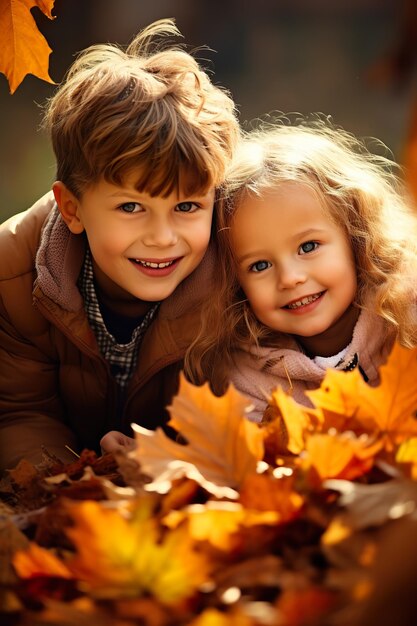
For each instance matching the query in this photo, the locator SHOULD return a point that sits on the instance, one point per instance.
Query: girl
(319, 265)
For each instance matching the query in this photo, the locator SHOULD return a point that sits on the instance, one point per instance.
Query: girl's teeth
(303, 302)
(154, 265)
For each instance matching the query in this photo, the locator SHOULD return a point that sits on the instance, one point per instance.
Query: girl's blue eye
(259, 266)
(186, 207)
(308, 246)
(129, 207)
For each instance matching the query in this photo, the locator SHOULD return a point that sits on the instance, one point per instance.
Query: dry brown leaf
(24, 50)
(258, 571)
(11, 540)
(373, 505)
(304, 607)
(80, 612)
(223, 446)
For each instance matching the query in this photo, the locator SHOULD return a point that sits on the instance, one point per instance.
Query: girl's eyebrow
(249, 255)
(309, 232)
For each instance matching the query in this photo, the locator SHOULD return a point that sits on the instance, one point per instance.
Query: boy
(101, 283)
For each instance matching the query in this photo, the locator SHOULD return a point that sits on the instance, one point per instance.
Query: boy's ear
(68, 206)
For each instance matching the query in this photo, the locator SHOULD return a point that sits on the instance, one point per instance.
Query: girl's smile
(305, 304)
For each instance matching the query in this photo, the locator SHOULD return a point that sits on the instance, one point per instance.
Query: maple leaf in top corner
(24, 49)
(223, 446)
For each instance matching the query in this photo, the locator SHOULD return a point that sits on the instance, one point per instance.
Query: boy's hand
(114, 440)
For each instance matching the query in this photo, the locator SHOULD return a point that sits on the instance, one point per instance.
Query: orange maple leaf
(37, 561)
(387, 411)
(24, 49)
(263, 492)
(339, 456)
(223, 446)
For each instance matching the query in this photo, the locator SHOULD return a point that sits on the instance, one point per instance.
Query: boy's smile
(156, 267)
(296, 267)
(142, 247)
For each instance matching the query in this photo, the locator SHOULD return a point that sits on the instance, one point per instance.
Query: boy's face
(143, 247)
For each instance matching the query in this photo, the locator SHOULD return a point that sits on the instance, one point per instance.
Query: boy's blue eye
(259, 266)
(129, 207)
(186, 207)
(308, 246)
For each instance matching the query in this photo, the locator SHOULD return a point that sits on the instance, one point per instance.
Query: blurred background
(350, 59)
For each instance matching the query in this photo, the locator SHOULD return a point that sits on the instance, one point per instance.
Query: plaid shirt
(122, 357)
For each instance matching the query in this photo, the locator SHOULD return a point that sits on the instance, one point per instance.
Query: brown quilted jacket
(55, 387)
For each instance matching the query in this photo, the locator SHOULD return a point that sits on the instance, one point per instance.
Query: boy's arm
(31, 414)
(22, 436)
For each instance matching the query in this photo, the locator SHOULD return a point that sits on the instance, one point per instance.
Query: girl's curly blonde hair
(361, 191)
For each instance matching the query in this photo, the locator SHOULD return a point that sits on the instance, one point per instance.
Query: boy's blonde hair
(148, 109)
(361, 193)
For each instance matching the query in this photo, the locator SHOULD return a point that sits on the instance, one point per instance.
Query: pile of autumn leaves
(238, 524)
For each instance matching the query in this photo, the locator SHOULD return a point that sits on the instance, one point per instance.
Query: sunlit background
(273, 55)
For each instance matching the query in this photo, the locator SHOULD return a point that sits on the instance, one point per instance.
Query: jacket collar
(369, 341)
(58, 262)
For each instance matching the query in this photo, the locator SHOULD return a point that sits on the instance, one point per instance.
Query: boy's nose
(160, 234)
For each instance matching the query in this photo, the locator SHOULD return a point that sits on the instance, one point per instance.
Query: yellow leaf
(213, 617)
(407, 453)
(336, 532)
(348, 403)
(298, 419)
(223, 446)
(23, 50)
(129, 555)
(218, 522)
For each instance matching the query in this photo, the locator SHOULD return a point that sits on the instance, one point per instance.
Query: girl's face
(296, 268)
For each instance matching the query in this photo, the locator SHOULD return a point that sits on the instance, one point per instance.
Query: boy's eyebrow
(122, 191)
(199, 195)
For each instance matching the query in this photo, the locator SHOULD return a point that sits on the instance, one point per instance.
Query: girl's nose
(290, 275)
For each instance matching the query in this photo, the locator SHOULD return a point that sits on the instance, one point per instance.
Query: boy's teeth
(154, 265)
(304, 301)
